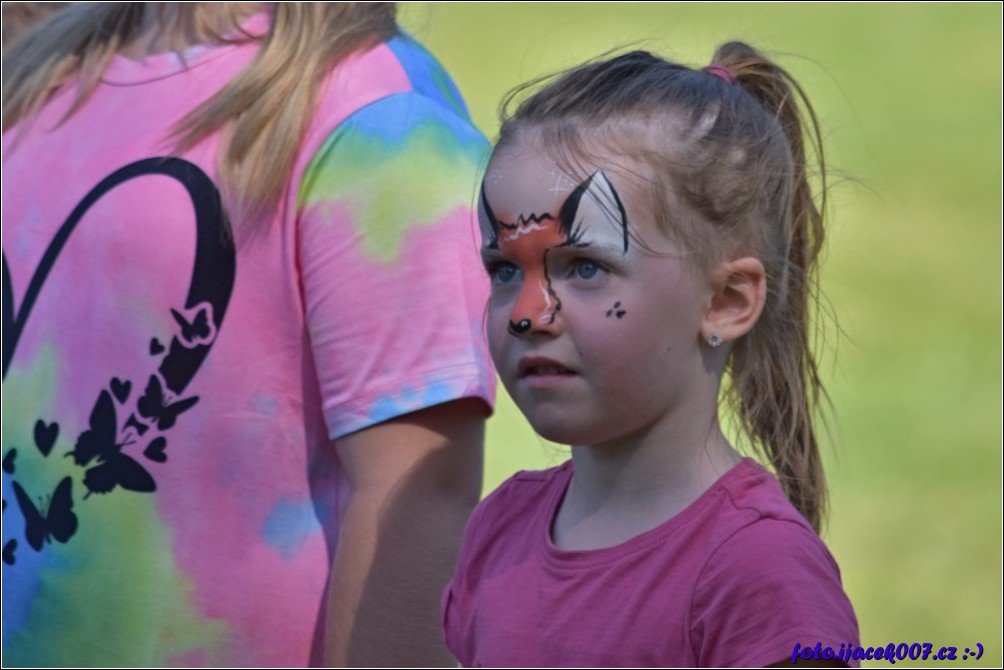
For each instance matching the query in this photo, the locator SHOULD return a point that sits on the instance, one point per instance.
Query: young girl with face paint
(650, 231)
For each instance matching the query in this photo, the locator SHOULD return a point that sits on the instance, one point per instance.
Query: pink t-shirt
(736, 579)
(172, 394)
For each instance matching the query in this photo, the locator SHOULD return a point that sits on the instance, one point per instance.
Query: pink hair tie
(721, 72)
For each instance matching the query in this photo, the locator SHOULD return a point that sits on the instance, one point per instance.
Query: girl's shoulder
(755, 518)
(526, 500)
(750, 487)
(762, 556)
(528, 488)
(392, 116)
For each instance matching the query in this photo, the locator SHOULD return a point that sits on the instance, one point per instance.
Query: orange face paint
(527, 242)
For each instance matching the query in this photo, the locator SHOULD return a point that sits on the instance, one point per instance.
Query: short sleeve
(388, 247)
(770, 586)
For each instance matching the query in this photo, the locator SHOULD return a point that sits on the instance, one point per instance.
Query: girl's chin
(562, 431)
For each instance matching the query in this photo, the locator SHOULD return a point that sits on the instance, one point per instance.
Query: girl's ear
(739, 290)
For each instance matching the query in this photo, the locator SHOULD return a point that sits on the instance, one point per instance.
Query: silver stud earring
(714, 341)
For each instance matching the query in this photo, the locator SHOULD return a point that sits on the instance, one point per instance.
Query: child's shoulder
(764, 557)
(526, 497)
(529, 486)
(756, 519)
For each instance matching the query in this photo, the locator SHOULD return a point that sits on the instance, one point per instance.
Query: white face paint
(591, 216)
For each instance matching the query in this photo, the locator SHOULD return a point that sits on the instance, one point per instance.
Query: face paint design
(591, 215)
(595, 332)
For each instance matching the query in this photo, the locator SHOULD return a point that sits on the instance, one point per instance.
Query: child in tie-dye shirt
(244, 386)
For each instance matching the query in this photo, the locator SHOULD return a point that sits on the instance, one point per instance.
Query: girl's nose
(535, 309)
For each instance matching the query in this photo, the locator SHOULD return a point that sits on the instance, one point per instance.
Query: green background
(909, 96)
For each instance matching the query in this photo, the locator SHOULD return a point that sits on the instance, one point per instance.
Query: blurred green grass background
(909, 96)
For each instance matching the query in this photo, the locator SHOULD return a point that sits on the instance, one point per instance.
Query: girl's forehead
(524, 178)
(528, 194)
(614, 200)
(525, 174)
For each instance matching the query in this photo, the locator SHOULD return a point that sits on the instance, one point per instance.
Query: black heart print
(99, 448)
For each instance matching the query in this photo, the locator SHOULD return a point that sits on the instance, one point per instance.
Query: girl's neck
(624, 488)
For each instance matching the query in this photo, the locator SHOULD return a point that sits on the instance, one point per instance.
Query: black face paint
(527, 240)
(519, 328)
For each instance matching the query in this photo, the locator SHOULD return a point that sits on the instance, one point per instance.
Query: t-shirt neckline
(125, 71)
(575, 558)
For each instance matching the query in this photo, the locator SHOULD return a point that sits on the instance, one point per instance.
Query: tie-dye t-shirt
(172, 392)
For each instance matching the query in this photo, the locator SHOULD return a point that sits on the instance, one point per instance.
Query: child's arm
(415, 480)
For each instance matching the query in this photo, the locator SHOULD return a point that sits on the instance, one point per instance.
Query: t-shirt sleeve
(393, 287)
(455, 602)
(768, 587)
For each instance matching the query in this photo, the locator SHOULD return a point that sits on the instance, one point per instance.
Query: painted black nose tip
(520, 327)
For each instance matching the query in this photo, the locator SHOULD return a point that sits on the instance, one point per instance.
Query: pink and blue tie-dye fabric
(171, 391)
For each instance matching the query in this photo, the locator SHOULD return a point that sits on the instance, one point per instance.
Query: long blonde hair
(263, 112)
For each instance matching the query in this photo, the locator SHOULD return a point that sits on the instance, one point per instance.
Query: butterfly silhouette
(101, 442)
(154, 406)
(8, 552)
(200, 330)
(57, 522)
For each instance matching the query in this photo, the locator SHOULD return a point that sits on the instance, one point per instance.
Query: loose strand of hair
(263, 113)
(265, 130)
(76, 40)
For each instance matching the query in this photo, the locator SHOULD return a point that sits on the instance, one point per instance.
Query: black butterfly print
(8, 461)
(8, 552)
(100, 439)
(200, 330)
(154, 406)
(57, 522)
(45, 436)
(101, 442)
(99, 449)
(119, 470)
(121, 389)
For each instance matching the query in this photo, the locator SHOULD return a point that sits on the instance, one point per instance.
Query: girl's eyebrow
(606, 253)
(600, 247)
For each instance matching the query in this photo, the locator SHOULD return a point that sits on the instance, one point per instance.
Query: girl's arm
(415, 480)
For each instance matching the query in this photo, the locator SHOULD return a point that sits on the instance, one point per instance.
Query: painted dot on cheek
(615, 308)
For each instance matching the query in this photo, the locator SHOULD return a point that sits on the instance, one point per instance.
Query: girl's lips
(538, 367)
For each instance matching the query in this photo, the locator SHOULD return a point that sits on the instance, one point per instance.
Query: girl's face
(594, 320)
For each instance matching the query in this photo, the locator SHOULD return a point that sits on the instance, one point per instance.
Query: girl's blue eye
(503, 273)
(586, 269)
